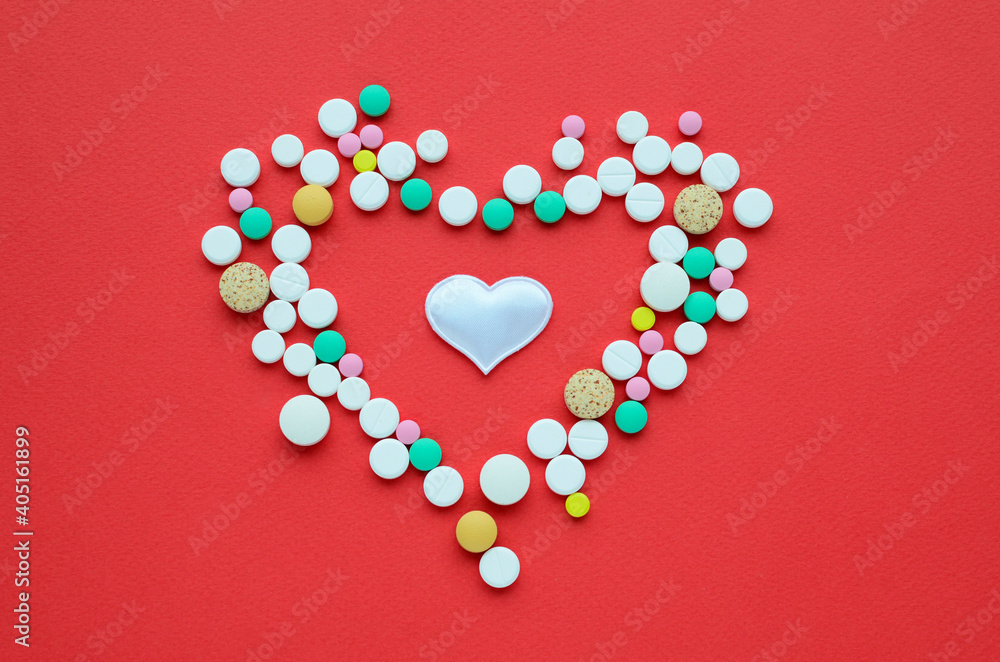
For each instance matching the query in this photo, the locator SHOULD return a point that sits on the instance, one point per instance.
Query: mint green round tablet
(549, 206)
(329, 346)
(255, 223)
(374, 100)
(498, 214)
(415, 194)
(699, 262)
(699, 307)
(630, 417)
(425, 454)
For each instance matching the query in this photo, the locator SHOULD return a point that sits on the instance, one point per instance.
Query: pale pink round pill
(720, 279)
(349, 144)
(240, 200)
(350, 365)
(573, 126)
(407, 432)
(371, 136)
(689, 123)
(650, 342)
(637, 388)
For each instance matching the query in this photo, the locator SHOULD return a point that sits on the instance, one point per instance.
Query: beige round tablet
(244, 287)
(589, 394)
(698, 209)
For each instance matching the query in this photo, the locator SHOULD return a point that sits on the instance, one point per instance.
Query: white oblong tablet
(287, 150)
(664, 287)
(324, 379)
(651, 155)
(389, 458)
(353, 393)
(567, 153)
(668, 243)
(289, 281)
(731, 253)
(565, 474)
(546, 438)
(240, 167)
(379, 418)
(458, 206)
(622, 360)
(369, 191)
(443, 486)
(644, 202)
(304, 420)
(299, 359)
(616, 176)
(318, 308)
(731, 305)
(588, 439)
(582, 194)
(752, 208)
(632, 127)
(690, 338)
(396, 161)
(522, 184)
(504, 479)
(432, 146)
(221, 245)
(320, 167)
(499, 567)
(337, 117)
(666, 369)
(268, 346)
(279, 316)
(720, 171)
(291, 243)
(686, 159)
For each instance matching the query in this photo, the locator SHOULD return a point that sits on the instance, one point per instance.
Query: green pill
(425, 454)
(498, 214)
(255, 223)
(329, 346)
(549, 207)
(630, 417)
(699, 262)
(415, 194)
(374, 100)
(699, 307)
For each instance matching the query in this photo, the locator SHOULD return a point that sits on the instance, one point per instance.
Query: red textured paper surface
(828, 108)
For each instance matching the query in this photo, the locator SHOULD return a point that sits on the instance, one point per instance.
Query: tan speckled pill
(244, 287)
(589, 394)
(698, 209)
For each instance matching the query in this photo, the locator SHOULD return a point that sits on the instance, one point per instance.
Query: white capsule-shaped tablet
(389, 459)
(458, 206)
(499, 567)
(664, 287)
(337, 117)
(369, 191)
(567, 153)
(588, 439)
(318, 308)
(690, 338)
(565, 474)
(443, 486)
(731, 305)
(323, 380)
(279, 316)
(299, 359)
(546, 438)
(651, 155)
(666, 369)
(304, 420)
(221, 245)
(396, 161)
(720, 171)
(644, 202)
(379, 418)
(752, 208)
(522, 184)
(289, 281)
(240, 167)
(353, 393)
(582, 194)
(686, 158)
(616, 176)
(731, 253)
(622, 360)
(319, 167)
(268, 346)
(632, 127)
(504, 479)
(291, 243)
(668, 243)
(432, 146)
(287, 150)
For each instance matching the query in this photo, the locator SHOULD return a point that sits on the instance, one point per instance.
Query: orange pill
(312, 205)
(476, 531)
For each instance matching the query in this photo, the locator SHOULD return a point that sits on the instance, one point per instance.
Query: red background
(833, 297)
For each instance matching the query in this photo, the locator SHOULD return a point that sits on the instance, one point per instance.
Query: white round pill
(443, 486)
(369, 191)
(319, 167)
(546, 438)
(353, 393)
(731, 253)
(299, 359)
(668, 243)
(690, 338)
(432, 146)
(752, 208)
(588, 439)
(522, 184)
(304, 420)
(686, 159)
(731, 305)
(632, 127)
(666, 369)
(720, 171)
(664, 287)
(644, 202)
(582, 194)
(499, 567)
(289, 281)
(337, 117)
(389, 458)
(240, 167)
(396, 161)
(379, 418)
(221, 245)
(287, 150)
(268, 346)
(291, 243)
(616, 176)
(622, 360)
(651, 155)
(324, 379)
(279, 316)
(504, 479)
(567, 153)
(565, 474)
(458, 205)
(318, 308)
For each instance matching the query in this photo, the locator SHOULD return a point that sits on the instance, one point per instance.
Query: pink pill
(371, 136)
(573, 126)
(720, 279)
(350, 365)
(407, 432)
(349, 144)
(689, 123)
(637, 388)
(651, 342)
(240, 200)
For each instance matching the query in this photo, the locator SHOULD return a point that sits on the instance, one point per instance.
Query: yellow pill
(577, 504)
(364, 161)
(312, 205)
(643, 318)
(476, 531)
